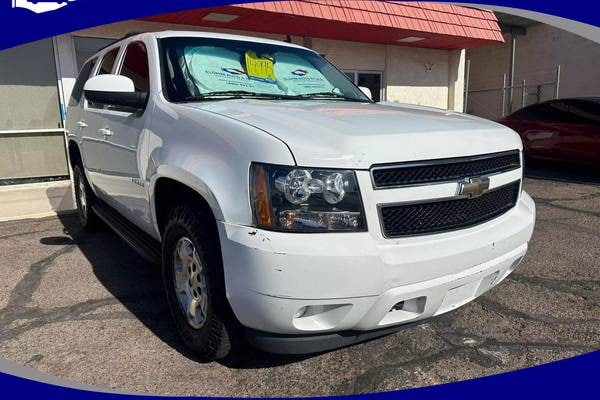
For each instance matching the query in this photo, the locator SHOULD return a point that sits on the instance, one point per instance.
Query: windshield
(204, 68)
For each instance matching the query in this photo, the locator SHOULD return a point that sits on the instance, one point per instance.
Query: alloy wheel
(190, 283)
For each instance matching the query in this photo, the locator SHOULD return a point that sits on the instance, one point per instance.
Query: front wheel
(193, 279)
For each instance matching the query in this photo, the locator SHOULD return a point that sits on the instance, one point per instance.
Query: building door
(370, 79)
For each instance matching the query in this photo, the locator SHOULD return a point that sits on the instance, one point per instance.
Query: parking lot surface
(86, 308)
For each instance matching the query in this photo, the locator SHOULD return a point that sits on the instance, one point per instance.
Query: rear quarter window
(108, 61)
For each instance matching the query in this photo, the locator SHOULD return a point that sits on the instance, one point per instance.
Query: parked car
(282, 203)
(565, 130)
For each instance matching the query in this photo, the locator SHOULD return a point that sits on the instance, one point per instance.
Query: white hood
(340, 134)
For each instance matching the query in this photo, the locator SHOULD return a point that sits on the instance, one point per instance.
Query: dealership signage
(40, 6)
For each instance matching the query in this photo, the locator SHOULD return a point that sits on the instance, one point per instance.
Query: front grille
(443, 170)
(446, 215)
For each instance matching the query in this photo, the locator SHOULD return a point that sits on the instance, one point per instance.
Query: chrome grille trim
(472, 166)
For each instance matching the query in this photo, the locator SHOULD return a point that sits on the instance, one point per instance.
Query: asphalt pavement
(84, 307)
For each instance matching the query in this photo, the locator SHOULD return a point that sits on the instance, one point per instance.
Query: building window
(86, 47)
(370, 79)
(31, 133)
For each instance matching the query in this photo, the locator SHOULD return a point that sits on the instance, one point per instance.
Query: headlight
(305, 199)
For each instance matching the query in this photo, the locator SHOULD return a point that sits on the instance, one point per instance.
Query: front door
(122, 176)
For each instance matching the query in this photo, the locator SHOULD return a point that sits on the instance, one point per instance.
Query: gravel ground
(86, 308)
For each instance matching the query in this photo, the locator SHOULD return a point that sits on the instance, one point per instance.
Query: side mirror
(366, 91)
(114, 90)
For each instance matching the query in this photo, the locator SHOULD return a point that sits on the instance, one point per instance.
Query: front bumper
(306, 284)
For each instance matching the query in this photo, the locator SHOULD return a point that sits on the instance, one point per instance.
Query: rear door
(93, 142)
(76, 124)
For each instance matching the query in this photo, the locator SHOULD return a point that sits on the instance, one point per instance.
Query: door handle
(105, 132)
(81, 124)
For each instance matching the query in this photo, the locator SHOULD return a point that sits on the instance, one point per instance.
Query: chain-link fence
(496, 102)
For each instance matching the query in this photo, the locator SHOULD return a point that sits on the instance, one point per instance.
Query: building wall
(32, 141)
(411, 75)
(536, 57)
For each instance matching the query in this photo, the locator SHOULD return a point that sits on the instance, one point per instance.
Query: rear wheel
(193, 279)
(85, 199)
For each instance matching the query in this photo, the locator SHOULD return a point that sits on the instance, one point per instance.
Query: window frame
(103, 57)
(356, 72)
(122, 46)
(88, 106)
(123, 55)
(76, 102)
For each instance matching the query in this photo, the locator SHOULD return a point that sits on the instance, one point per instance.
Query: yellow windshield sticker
(260, 67)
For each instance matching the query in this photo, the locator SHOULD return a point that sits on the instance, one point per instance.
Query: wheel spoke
(180, 278)
(82, 196)
(182, 251)
(203, 303)
(193, 305)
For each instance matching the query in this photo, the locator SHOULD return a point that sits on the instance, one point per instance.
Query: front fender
(210, 154)
(188, 179)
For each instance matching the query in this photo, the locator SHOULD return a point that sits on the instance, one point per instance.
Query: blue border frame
(572, 378)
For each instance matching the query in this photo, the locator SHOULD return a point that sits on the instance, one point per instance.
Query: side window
(108, 61)
(553, 111)
(82, 78)
(106, 67)
(135, 66)
(585, 111)
(562, 114)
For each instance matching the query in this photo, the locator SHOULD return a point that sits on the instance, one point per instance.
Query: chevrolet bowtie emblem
(473, 187)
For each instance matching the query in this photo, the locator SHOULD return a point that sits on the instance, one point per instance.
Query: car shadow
(137, 285)
(563, 172)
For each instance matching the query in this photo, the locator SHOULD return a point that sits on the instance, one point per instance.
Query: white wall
(537, 55)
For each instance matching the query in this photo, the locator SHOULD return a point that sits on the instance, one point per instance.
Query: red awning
(418, 24)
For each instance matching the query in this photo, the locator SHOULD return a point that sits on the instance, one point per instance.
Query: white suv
(283, 204)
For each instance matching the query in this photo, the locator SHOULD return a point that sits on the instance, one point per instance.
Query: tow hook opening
(398, 306)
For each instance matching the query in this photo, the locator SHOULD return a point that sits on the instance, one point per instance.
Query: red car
(560, 130)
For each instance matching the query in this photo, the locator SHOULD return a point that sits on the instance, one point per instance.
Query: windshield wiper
(330, 95)
(238, 94)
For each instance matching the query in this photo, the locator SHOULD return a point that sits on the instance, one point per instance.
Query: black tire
(214, 339)
(87, 218)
